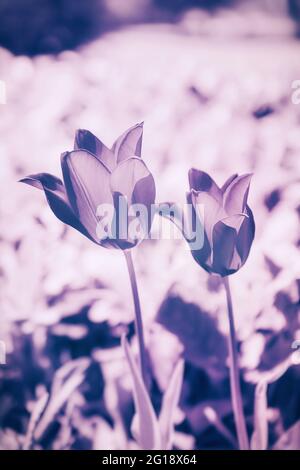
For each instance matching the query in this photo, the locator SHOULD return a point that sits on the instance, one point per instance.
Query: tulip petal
(224, 241)
(57, 199)
(234, 221)
(228, 182)
(86, 140)
(212, 211)
(129, 143)
(201, 181)
(87, 184)
(236, 194)
(121, 222)
(133, 179)
(246, 235)
(202, 255)
(45, 180)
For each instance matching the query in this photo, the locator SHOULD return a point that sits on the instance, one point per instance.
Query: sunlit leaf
(259, 439)
(38, 409)
(169, 404)
(290, 440)
(61, 390)
(147, 430)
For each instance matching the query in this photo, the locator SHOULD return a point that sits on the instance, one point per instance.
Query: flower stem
(138, 314)
(236, 396)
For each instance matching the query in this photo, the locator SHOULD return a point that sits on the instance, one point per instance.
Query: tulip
(228, 221)
(96, 179)
(229, 229)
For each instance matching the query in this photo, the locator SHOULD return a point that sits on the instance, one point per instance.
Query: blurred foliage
(180, 5)
(220, 106)
(34, 27)
(48, 26)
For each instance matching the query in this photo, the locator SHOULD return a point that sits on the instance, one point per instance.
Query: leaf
(65, 372)
(147, 430)
(290, 440)
(204, 345)
(169, 404)
(38, 409)
(260, 436)
(259, 439)
(61, 390)
(129, 144)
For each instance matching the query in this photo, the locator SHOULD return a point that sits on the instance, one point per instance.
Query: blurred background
(212, 79)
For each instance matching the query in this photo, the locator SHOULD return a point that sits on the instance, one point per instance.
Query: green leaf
(259, 439)
(146, 424)
(35, 416)
(290, 440)
(65, 382)
(169, 404)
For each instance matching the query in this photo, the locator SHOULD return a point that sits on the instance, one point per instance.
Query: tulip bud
(227, 221)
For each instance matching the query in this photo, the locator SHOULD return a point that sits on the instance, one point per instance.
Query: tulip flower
(229, 228)
(221, 245)
(227, 221)
(95, 177)
(95, 180)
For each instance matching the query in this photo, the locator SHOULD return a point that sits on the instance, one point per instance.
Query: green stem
(138, 314)
(236, 396)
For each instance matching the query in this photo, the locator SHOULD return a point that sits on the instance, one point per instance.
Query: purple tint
(228, 222)
(93, 175)
(217, 83)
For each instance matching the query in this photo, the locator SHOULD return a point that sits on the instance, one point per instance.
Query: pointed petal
(85, 140)
(236, 194)
(224, 241)
(169, 405)
(57, 199)
(129, 144)
(147, 429)
(45, 181)
(87, 185)
(228, 182)
(259, 439)
(246, 235)
(235, 222)
(201, 181)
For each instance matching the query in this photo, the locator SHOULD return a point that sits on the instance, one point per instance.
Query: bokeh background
(213, 82)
